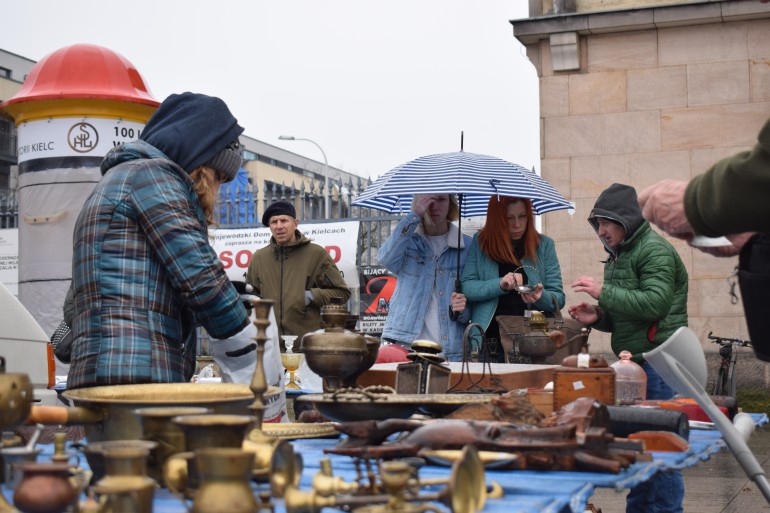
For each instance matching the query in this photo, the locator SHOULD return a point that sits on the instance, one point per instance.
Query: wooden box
(570, 383)
(542, 400)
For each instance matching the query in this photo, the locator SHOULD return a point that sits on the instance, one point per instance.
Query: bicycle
(725, 383)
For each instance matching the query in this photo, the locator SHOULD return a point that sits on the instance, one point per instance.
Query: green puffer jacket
(644, 296)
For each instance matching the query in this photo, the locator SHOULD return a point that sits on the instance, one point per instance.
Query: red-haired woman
(508, 252)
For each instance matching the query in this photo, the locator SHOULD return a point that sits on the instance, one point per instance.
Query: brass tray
(352, 406)
(490, 459)
(297, 430)
(439, 405)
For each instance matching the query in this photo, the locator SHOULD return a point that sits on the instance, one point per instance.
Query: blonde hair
(452, 215)
(206, 183)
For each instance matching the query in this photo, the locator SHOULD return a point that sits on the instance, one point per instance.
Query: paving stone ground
(717, 485)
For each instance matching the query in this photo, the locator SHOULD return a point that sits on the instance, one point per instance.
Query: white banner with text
(236, 246)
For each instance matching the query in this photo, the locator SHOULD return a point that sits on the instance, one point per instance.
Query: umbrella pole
(458, 287)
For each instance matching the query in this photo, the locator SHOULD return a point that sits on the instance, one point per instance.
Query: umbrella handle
(452, 314)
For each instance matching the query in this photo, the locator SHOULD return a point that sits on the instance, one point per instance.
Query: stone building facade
(638, 91)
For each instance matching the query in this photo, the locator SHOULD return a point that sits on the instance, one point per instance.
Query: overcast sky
(375, 84)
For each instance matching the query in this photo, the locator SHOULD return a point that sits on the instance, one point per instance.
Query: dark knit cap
(279, 208)
(228, 161)
(192, 129)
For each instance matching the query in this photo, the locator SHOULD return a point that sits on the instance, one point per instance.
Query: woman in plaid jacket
(144, 274)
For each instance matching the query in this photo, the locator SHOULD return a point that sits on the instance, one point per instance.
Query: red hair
(495, 240)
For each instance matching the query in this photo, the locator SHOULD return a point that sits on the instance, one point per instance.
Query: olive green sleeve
(732, 196)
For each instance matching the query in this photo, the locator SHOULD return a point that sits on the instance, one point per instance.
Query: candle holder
(259, 381)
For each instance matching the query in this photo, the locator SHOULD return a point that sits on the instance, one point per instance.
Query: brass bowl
(440, 405)
(119, 402)
(94, 453)
(372, 350)
(335, 356)
(350, 407)
(536, 344)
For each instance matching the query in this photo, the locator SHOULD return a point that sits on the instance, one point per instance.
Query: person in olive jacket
(730, 199)
(642, 302)
(299, 276)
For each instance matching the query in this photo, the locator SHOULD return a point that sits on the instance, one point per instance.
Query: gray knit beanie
(228, 161)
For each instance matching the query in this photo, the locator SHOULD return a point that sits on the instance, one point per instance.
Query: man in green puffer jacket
(644, 296)
(642, 301)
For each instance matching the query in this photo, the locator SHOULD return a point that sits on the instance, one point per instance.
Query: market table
(511, 376)
(526, 491)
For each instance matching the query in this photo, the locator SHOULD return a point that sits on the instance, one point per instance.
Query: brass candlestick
(259, 381)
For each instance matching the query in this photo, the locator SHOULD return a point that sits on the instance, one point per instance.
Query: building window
(5, 73)
(7, 141)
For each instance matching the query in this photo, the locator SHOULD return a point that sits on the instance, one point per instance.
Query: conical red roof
(84, 71)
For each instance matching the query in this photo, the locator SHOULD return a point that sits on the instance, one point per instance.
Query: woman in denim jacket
(507, 252)
(422, 253)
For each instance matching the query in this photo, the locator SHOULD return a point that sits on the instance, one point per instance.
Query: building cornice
(531, 30)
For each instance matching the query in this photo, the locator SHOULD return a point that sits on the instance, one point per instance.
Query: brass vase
(126, 486)
(225, 476)
(334, 353)
(203, 432)
(157, 426)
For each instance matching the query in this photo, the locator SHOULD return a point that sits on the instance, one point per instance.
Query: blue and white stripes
(476, 177)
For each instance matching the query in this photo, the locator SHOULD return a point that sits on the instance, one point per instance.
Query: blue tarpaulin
(526, 491)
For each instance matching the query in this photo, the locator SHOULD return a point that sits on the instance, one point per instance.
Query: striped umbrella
(473, 177)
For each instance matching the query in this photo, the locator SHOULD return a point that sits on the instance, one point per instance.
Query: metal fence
(9, 211)
(241, 210)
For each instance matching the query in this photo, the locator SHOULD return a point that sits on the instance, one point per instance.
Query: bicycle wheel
(720, 385)
(731, 383)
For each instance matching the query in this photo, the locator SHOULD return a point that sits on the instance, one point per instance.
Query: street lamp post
(327, 192)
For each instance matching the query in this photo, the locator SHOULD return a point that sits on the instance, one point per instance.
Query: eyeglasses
(235, 146)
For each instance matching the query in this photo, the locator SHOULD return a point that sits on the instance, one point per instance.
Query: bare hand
(423, 203)
(458, 302)
(589, 285)
(510, 281)
(583, 313)
(663, 205)
(534, 296)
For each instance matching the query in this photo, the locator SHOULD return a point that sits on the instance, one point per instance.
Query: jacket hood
(191, 128)
(618, 203)
(132, 151)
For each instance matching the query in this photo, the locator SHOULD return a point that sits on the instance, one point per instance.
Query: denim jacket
(408, 255)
